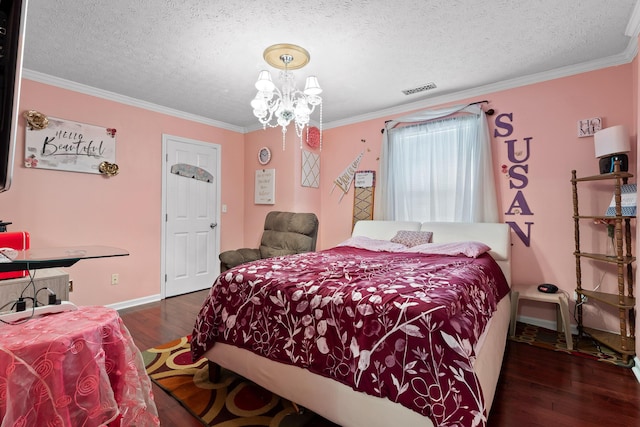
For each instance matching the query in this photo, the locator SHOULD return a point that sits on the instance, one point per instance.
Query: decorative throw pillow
(412, 238)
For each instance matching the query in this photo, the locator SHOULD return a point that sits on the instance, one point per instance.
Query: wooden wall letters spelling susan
(518, 153)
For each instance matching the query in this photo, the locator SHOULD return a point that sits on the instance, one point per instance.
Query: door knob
(213, 225)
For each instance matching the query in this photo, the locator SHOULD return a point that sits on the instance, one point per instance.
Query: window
(439, 170)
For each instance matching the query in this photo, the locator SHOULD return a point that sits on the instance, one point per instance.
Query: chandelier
(279, 107)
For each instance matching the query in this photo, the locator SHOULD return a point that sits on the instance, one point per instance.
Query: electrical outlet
(115, 278)
(70, 285)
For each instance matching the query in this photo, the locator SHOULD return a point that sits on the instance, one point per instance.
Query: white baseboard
(550, 324)
(547, 324)
(135, 302)
(636, 368)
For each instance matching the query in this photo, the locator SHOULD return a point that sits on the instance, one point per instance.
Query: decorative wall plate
(264, 156)
(313, 137)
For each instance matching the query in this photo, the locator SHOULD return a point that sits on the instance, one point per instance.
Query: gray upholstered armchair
(285, 233)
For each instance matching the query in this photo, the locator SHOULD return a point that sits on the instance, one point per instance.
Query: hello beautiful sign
(69, 146)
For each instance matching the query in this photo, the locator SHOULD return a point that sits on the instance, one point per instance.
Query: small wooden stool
(563, 321)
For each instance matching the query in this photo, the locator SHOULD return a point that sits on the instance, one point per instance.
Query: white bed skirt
(343, 405)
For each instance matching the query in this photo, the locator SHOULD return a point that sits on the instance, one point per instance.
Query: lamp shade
(611, 140)
(312, 87)
(264, 83)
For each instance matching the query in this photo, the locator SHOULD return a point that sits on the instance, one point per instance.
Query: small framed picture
(265, 190)
(588, 127)
(264, 155)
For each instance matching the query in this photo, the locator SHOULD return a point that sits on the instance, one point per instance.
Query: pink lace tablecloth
(77, 368)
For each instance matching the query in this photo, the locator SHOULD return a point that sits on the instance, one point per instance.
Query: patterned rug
(552, 340)
(234, 401)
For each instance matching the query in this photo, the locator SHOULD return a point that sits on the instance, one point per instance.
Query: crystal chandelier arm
(265, 104)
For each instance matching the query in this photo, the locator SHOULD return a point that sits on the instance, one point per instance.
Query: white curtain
(439, 169)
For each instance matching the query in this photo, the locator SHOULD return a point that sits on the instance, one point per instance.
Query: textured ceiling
(202, 57)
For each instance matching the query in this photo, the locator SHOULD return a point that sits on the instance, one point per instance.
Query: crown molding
(623, 58)
(633, 26)
(111, 96)
(619, 59)
(253, 128)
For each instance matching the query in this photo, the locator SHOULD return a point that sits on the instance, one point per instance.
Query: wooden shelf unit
(623, 300)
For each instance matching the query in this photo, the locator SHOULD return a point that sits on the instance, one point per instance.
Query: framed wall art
(310, 169)
(69, 146)
(265, 191)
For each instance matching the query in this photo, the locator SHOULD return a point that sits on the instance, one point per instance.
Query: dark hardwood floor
(157, 323)
(537, 387)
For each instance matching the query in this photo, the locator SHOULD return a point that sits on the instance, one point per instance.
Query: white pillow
(468, 249)
(376, 245)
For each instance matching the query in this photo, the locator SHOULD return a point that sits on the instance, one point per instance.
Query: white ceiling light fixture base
(278, 107)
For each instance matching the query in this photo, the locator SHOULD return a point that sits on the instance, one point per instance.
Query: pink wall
(61, 208)
(290, 195)
(547, 113)
(341, 147)
(66, 208)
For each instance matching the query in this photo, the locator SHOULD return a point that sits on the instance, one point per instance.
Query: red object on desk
(18, 240)
(77, 368)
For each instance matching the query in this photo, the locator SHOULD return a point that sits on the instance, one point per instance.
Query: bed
(353, 377)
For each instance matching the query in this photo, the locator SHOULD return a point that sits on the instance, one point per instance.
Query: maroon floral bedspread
(395, 325)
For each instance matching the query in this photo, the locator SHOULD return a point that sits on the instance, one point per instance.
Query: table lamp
(611, 144)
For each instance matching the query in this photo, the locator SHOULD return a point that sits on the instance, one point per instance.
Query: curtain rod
(489, 112)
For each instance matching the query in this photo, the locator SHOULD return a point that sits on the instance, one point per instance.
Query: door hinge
(165, 278)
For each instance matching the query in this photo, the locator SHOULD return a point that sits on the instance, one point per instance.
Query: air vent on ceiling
(422, 88)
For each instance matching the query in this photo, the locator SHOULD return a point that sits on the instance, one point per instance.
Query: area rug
(234, 401)
(552, 340)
